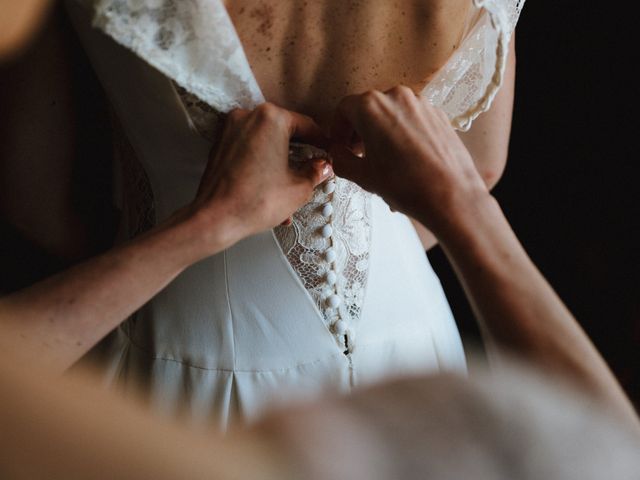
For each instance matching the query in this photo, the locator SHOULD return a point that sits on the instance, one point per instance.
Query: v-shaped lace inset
(345, 253)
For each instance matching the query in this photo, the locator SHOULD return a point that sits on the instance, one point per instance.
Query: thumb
(321, 172)
(348, 165)
(313, 172)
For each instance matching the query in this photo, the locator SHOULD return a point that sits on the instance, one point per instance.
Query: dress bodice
(343, 298)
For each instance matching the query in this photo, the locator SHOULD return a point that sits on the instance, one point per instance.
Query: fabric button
(327, 231)
(327, 210)
(329, 187)
(331, 255)
(332, 278)
(340, 327)
(334, 301)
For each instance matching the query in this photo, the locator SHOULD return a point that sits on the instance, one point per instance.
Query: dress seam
(229, 370)
(226, 288)
(232, 373)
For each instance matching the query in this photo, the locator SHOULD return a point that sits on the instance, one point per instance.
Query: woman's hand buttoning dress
(342, 297)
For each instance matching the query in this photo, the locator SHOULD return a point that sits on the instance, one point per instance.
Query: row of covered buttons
(333, 300)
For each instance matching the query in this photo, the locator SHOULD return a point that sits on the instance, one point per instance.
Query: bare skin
(308, 55)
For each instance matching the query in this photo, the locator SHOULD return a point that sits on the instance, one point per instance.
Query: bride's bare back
(307, 55)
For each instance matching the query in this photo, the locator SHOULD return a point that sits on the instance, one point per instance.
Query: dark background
(571, 185)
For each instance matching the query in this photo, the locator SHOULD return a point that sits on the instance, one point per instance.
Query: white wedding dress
(344, 297)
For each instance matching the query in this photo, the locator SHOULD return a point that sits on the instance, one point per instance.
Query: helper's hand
(247, 187)
(249, 181)
(413, 158)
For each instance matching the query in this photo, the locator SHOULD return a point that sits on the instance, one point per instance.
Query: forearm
(57, 321)
(515, 305)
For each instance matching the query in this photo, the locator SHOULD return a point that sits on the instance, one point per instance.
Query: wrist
(463, 214)
(209, 230)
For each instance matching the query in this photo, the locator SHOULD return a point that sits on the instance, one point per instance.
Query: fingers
(358, 117)
(357, 114)
(315, 172)
(304, 129)
(350, 166)
(300, 188)
(348, 121)
(402, 94)
(323, 171)
(298, 126)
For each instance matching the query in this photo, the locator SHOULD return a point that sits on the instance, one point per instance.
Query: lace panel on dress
(306, 249)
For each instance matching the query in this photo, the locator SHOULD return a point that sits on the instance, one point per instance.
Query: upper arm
(488, 138)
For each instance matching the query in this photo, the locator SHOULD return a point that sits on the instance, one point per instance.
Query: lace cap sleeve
(201, 53)
(467, 84)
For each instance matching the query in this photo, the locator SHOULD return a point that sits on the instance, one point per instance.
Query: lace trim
(467, 85)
